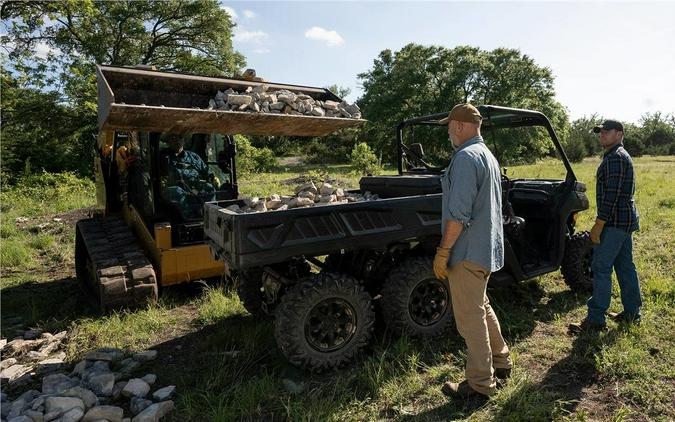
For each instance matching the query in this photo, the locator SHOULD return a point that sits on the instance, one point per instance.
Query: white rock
(326, 189)
(277, 106)
(300, 202)
(81, 367)
(7, 363)
(73, 415)
(88, 397)
(50, 365)
(252, 201)
(164, 393)
(330, 105)
(307, 194)
(318, 111)
(260, 207)
(146, 355)
(102, 384)
(154, 412)
(34, 415)
(22, 418)
(340, 193)
(239, 99)
(150, 378)
(3, 343)
(56, 384)
(260, 88)
(273, 204)
(234, 208)
(138, 404)
(309, 186)
(282, 208)
(110, 413)
(136, 387)
(62, 404)
(327, 198)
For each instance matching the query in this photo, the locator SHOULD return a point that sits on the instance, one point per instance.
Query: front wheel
(324, 321)
(415, 302)
(576, 266)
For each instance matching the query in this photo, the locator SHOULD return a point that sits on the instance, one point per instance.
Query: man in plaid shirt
(616, 221)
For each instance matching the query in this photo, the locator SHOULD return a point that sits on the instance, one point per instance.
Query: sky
(616, 59)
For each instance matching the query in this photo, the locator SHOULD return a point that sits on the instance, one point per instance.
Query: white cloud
(230, 11)
(42, 50)
(261, 50)
(256, 37)
(331, 38)
(249, 14)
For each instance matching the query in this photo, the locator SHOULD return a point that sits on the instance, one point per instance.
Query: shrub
(364, 160)
(14, 254)
(251, 159)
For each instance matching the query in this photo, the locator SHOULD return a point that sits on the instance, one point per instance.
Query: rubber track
(124, 275)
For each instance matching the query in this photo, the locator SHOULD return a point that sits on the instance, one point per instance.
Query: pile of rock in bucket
(260, 100)
(306, 195)
(102, 387)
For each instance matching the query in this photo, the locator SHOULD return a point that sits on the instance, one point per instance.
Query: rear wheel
(414, 302)
(576, 266)
(324, 321)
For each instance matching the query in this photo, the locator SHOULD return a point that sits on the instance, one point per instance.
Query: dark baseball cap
(608, 125)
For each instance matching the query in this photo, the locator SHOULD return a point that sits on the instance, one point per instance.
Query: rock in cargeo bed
(306, 195)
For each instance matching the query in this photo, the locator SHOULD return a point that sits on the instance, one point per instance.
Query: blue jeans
(615, 250)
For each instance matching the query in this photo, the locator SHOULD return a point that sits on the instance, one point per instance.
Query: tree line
(49, 91)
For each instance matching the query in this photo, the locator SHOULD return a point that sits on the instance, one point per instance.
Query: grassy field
(227, 367)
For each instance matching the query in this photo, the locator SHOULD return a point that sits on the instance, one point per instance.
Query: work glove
(596, 231)
(441, 263)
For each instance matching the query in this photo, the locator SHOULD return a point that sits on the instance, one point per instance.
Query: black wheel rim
(330, 325)
(428, 302)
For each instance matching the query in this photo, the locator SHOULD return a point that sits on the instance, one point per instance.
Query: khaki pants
(478, 325)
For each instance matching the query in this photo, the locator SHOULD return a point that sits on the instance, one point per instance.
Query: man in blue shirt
(472, 247)
(189, 182)
(616, 221)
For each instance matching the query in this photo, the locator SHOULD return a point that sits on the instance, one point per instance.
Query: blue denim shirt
(472, 196)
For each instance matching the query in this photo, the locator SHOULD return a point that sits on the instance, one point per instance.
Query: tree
(582, 142)
(419, 80)
(52, 48)
(657, 133)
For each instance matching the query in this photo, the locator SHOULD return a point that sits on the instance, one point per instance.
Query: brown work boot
(462, 389)
(503, 373)
(586, 326)
(624, 318)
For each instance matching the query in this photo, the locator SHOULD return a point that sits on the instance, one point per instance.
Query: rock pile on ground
(306, 195)
(102, 387)
(260, 100)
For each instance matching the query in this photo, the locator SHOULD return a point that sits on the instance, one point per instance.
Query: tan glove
(441, 263)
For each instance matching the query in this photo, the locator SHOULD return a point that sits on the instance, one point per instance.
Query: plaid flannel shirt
(615, 187)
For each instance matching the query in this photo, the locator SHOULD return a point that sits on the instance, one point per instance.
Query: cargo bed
(258, 239)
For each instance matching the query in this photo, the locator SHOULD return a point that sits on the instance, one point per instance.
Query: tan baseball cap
(463, 113)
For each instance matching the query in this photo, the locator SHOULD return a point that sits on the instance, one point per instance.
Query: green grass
(227, 367)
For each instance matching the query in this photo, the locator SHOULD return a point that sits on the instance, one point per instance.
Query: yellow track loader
(141, 238)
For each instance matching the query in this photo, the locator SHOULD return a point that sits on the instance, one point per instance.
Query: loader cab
(164, 188)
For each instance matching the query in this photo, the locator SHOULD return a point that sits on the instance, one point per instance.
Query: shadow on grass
(55, 304)
(562, 386)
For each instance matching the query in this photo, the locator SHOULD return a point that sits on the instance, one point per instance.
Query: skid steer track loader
(141, 239)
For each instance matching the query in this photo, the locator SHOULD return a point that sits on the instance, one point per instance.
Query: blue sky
(614, 58)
